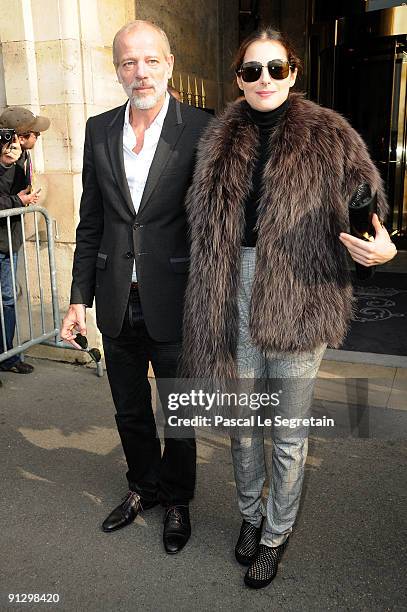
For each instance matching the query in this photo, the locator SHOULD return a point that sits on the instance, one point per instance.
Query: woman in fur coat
(269, 287)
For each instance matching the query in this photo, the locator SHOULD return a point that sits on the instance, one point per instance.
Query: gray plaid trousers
(252, 462)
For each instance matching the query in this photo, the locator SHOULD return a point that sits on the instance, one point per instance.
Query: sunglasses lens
(95, 355)
(82, 341)
(278, 69)
(251, 72)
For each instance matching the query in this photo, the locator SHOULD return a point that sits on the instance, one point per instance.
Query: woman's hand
(380, 250)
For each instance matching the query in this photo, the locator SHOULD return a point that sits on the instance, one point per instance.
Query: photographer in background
(10, 149)
(15, 191)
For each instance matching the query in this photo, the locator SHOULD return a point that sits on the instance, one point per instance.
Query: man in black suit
(132, 254)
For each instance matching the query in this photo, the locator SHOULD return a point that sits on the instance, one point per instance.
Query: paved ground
(62, 472)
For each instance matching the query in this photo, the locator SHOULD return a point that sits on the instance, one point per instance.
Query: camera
(6, 136)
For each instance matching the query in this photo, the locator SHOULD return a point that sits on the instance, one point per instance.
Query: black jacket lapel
(172, 129)
(115, 148)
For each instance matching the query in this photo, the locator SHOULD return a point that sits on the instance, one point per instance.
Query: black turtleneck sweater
(266, 122)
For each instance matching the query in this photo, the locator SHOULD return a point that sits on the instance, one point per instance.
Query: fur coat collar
(301, 290)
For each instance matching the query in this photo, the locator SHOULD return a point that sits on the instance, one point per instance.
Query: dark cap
(23, 120)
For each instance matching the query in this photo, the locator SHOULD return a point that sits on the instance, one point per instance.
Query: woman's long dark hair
(267, 34)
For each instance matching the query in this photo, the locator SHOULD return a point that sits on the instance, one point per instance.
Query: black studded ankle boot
(263, 569)
(248, 542)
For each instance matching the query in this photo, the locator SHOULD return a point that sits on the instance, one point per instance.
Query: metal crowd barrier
(49, 337)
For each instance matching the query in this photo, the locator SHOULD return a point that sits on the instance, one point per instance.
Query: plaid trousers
(294, 374)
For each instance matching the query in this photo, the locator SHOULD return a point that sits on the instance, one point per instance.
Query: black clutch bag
(362, 207)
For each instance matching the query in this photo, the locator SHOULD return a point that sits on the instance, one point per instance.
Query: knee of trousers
(291, 449)
(8, 302)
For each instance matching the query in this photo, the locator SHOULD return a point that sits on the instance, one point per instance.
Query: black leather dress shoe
(20, 367)
(126, 512)
(177, 528)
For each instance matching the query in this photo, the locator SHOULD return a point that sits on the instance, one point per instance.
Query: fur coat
(302, 294)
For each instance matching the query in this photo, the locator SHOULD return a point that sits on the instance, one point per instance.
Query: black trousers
(171, 477)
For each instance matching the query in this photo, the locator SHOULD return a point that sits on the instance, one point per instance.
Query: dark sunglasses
(251, 71)
(94, 353)
(28, 134)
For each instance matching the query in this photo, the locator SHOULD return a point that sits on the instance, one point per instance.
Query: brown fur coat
(302, 294)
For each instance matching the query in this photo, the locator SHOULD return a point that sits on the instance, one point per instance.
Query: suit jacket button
(129, 255)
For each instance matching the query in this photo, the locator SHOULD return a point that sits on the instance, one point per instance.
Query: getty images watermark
(223, 403)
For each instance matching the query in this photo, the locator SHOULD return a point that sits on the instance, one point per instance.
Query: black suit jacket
(110, 235)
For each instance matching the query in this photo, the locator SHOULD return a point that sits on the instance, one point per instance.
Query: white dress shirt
(137, 165)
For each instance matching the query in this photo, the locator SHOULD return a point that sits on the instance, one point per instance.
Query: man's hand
(29, 198)
(11, 153)
(74, 322)
(378, 251)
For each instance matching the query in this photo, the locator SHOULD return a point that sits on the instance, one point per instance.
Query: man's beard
(145, 102)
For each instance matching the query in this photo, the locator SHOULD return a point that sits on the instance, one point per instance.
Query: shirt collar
(159, 120)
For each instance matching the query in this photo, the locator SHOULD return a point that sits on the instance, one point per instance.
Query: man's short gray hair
(137, 25)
